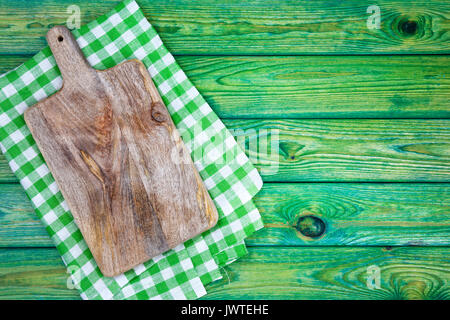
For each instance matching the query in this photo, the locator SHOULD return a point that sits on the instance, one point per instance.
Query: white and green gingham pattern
(230, 178)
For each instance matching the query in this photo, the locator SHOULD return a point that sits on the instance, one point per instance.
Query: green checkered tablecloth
(230, 178)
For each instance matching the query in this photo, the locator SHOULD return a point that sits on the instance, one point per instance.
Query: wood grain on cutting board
(118, 159)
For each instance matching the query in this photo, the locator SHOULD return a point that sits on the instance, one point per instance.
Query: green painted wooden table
(363, 164)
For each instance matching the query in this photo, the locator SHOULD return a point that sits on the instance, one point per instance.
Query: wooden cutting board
(118, 160)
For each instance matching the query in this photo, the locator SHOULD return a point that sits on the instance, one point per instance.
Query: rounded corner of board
(135, 62)
(107, 271)
(110, 274)
(213, 220)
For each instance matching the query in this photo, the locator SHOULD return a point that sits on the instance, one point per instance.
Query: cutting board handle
(69, 58)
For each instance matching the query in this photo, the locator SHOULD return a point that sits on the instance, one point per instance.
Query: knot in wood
(157, 113)
(310, 226)
(408, 27)
(157, 116)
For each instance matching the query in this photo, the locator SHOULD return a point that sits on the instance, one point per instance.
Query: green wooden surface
(356, 214)
(350, 150)
(236, 27)
(342, 150)
(266, 273)
(316, 86)
(363, 162)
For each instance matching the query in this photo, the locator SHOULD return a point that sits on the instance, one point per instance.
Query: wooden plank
(268, 273)
(347, 150)
(317, 86)
(323, 86)
(336, 273)
(19, 224)
(341, 214)
(6, 174)
(343, 150)
(269, 27)
(294, 214)
(34, 274)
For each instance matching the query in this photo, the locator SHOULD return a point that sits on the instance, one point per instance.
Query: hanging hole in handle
(60, 38)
